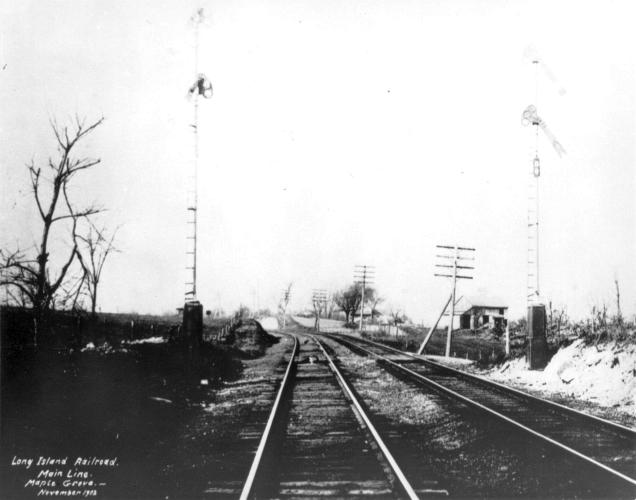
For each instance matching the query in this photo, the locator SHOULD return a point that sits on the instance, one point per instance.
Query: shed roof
(467, 302)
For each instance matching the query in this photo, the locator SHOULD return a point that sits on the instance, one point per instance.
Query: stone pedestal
(537, 353)
(192, 330)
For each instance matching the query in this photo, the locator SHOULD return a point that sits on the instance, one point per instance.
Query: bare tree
(92, 252)
(374, 300)
(73, 293)
(331, 305)
(243, 312)
(19, 277)
(599, 322)
(619, 315)
(398, 318)
(349, 301)
(34, 277)
(557, 320)
(339, 300)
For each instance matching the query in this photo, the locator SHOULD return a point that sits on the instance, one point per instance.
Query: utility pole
(285, 302)
(363, 275)
(319, 300)
(457, 254)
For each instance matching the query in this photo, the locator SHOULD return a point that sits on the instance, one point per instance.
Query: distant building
(478, 312)
(367, 313)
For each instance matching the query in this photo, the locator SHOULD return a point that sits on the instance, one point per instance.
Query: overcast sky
(339, 133)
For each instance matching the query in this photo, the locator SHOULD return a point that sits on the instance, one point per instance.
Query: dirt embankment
(599, 379)
(134, 400)
(250, 338)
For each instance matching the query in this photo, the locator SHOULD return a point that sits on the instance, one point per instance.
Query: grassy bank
(481, 347)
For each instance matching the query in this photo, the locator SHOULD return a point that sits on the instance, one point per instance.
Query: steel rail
(471, 402)
(249, 482)
(471, 376)
(385, 450)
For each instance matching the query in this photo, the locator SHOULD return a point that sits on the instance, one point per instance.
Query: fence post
(507, 340)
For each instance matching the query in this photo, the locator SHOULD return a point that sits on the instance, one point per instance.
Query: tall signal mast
(192, 309)
(530, 116)
(533, 207)
(201, 88)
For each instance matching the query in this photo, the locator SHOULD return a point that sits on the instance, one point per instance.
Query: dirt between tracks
(443, 441)
(161, 413)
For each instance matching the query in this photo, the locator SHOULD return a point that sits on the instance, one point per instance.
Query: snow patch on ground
(326, 325)
(161, 400)
(450, 361)
(149, 340)
(605, 375)
(269, 324)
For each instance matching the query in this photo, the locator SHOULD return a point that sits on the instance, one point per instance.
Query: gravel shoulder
(457, 447)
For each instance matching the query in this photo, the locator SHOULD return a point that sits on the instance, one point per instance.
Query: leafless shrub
(94, 247)
(28, 275)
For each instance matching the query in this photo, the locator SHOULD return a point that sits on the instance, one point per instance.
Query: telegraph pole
(455, 254)
(452, 304)
(319, 299)
(363, 275)
(285, 302)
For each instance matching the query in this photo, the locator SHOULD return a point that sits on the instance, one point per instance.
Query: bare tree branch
(35, 184)
(80, 165)
(78, 215)
(97, 246)
(58, 282)
(32, 276)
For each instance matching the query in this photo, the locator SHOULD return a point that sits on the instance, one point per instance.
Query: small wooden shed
(478, 312)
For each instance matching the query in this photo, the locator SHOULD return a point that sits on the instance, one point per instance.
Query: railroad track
(605, 451)
(319, 441)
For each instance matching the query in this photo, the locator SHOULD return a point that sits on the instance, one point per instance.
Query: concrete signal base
(537, 354)
(193, 323)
